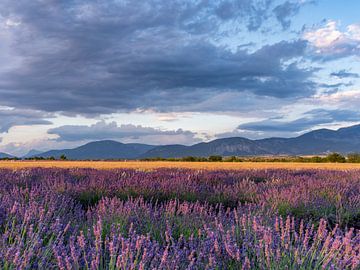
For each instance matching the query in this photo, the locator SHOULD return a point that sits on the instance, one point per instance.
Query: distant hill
(5, 155)
(32, 153)
(224, 147)
(101, 150)
(322, 141)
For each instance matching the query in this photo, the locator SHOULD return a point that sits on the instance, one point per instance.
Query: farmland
(178, 218)
(149, 165)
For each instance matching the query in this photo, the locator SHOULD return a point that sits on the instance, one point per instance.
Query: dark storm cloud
(17, 117)
(81, 57)
(102, 130)
(309, 120)
(341, 74)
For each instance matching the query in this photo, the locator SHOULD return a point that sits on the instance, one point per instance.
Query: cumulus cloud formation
(310, 119)
(102, 130)
(106, 56)
(330, 42)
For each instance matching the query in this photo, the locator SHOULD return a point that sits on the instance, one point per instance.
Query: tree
(336, 157)
(189, 158)
(215, 158)
(353, 158)
(232, 159)
(63, 157)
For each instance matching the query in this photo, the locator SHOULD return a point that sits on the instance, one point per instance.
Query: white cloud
(354, 31)
(329, 41)
(324, 37)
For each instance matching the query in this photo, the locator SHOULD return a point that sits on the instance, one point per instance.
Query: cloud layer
(81, 57)
(16, 117)
(310, 119)
(341, 74)
(102, 130)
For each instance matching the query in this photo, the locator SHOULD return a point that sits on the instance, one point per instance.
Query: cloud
(285, 11)
(341, 74)
(102, 130)
(330, 43)
(309, 120)
(160, 79)
(81, 57)
(10, 117)
(345, 99)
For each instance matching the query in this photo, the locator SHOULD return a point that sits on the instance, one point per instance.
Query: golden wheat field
(148, 165)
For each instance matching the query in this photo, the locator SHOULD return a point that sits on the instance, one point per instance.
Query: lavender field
(179, 219)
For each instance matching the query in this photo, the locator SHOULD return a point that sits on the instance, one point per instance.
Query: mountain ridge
(316, 142)
(105, 149)
(5, 155)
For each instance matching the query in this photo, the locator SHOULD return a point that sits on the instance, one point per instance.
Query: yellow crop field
(148, 165)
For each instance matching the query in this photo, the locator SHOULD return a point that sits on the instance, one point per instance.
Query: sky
(174, 72)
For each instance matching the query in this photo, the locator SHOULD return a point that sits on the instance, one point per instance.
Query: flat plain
(148, 165)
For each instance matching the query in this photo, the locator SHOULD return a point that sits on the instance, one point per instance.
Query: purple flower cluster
(179, 219)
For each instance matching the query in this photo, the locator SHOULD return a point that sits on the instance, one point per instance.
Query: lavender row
(310, 195)
(41, 229)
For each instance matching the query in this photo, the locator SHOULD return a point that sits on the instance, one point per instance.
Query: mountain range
(5, 155)
(322, 141)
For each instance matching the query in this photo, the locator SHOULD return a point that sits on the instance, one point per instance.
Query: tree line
(330, 158)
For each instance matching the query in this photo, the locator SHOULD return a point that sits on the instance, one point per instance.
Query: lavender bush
(179, 219)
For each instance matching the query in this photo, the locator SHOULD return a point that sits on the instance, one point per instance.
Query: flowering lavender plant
(179, 219)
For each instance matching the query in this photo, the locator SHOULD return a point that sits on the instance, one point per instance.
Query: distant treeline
(330, 158)
(62, 157)
(333, 157)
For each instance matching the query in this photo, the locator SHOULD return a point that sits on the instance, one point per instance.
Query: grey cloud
(160, 78)
(309, 120)
(285, 11)
(102, 130)
(334, 85)
(338, 50)
(341, 74)
(17, 117)
(255, 12)
(107, 56)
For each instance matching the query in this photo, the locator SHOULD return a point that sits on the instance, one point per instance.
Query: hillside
(101, 150)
